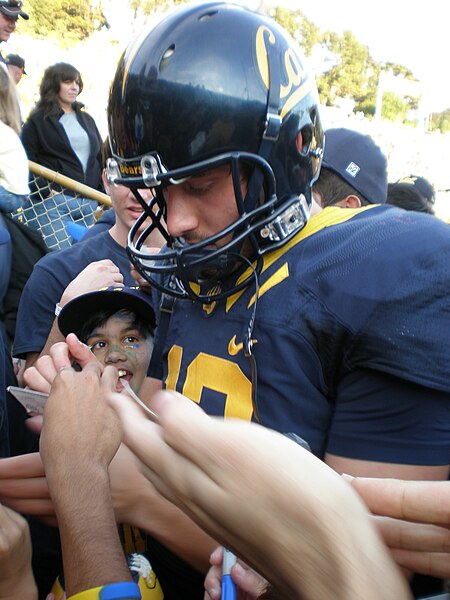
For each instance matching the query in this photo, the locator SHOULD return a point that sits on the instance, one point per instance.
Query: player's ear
(299, 141)
(349, 202)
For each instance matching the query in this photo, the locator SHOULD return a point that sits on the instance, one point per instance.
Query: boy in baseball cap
(118, 324)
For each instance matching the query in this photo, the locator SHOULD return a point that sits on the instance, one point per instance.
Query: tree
(303, 31)
(65, 20)
(349, 78)
(394, 108)
(440, 121)
(150, 7)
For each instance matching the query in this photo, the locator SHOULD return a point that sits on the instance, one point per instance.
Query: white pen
(130, 391)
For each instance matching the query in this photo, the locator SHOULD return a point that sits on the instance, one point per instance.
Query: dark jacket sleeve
(30, 140)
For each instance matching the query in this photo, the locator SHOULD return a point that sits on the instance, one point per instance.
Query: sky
(413, 33)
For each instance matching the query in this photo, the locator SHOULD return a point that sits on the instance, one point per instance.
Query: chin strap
(272, 125)
(155, 368)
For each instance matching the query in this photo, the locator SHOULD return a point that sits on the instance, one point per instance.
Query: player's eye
(198, 189)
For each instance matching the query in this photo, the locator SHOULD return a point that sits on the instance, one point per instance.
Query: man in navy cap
(412, 193)
(354, 171)
(16, 67)
(10, 11)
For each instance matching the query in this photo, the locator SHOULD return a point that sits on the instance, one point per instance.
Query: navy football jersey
(351, 339)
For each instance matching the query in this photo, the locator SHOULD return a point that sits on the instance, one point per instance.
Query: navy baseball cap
(359, 161)
(74, 314)
(16, 60)
(422, 185)
(13, 9)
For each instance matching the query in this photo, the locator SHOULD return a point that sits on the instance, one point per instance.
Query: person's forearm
(92, 553)
(170, 526)
(334, 558)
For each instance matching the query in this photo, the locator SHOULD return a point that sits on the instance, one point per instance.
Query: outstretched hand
(80, 429)
(414, 520)
(16, 576)
(262, 496)
(62, 355)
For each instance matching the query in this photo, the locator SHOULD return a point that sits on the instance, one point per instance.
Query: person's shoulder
(84, 250)
(377, 231)
(34, 116)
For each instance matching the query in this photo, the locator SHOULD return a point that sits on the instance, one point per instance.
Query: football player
(329, 327)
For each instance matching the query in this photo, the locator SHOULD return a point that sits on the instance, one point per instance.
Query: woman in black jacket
(59, 135)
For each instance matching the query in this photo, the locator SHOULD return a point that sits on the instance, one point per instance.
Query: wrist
(26, 588)
(123, 590)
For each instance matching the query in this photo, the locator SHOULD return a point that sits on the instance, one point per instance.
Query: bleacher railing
(56, 200)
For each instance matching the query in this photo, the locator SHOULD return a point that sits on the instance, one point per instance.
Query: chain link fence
(56, 202)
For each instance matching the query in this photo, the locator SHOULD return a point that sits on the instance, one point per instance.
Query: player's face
(7, 27)
(202, 205)
(121, 345)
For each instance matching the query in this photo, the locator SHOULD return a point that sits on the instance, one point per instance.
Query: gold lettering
(261, 53)
(214, 373)
(294, 72)
(130, 169)
(298, 83)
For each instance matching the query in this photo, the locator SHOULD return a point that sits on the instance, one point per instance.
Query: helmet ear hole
(166, 57)
(304, 139)
(207, 15)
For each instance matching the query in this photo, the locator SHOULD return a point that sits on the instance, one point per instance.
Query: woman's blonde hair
(9, 105)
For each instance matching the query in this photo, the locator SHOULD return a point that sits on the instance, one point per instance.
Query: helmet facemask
(195, 269)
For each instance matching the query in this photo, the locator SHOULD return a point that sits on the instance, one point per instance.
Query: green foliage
(440, 121)
(355, 77)
(394, 108)
(303, 31)
(400, 70)
(150, 7)
(349, 78)
(65, 20)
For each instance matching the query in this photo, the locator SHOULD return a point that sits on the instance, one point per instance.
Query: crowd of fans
(252, 263)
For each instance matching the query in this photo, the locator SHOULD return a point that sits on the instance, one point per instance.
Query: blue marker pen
(228, 585)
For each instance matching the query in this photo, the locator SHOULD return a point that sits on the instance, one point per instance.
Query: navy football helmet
(209, 85)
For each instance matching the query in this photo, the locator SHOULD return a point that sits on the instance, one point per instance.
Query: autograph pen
(228, 585)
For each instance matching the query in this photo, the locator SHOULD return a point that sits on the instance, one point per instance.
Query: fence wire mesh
(59, 207)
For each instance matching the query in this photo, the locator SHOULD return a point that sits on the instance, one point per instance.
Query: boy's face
(118, 343)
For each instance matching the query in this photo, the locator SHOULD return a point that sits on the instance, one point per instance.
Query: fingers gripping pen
(228, 585)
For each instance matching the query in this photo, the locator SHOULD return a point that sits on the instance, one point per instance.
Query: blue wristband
(124, 590)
